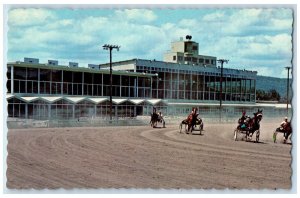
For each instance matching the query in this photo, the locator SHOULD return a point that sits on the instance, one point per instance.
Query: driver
(283, 124)
(242, 120)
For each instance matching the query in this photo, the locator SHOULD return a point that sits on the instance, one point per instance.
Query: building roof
(78, 69)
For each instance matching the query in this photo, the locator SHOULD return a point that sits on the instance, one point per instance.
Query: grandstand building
(183, 80)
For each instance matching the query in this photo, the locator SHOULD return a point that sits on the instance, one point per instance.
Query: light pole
(287, 90)
(110, 48)
(222, 61)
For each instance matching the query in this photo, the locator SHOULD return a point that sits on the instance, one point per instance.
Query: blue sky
(252, 39)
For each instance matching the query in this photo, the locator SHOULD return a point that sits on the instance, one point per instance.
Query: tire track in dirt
(141, 157)
(195, 145)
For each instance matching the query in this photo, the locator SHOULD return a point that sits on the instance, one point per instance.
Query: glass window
(45, 74)
(77, 77)
(8, 73)
(174, 58)
(116, 79)
(67, 76)
(56, 75)
(32, 74)
(88, 78)
(20, 73)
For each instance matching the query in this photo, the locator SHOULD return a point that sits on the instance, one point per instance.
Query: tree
(271, 95)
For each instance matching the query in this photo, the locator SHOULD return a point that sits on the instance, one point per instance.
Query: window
(201, 60)
(174, 58)
(207, 61)
(194, 59)
(187, 58)
(195, 48)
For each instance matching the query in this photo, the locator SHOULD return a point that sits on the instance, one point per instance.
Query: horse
(185, 123)
(191, 120)
(286, 130)
(155, 118)
(254, 125)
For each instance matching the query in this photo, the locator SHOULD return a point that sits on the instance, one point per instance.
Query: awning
(97, 100)
(51, 99)
(29, 99)
(9, 96)
(136, 101)
(118, 101)
(75, 99)
(154, 101)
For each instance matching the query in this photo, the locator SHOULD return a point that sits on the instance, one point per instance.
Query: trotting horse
(155, 118)
(191, 120)
(286, 130)
(254, 125)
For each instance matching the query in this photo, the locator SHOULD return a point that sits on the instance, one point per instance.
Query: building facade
(52, 91)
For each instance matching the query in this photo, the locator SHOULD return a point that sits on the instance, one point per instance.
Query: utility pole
(287, 90)
(110, 48)
(222, 61)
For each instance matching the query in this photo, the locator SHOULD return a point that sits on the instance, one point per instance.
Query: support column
(82, 86)
(12, 80)
(49, 111)
(73, 111)
(120, 86)
(151, 81)
(62, 83)
(26, 110)
(39, 81)
(102, 85)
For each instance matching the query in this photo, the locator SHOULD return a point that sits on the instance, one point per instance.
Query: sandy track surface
(143, 157)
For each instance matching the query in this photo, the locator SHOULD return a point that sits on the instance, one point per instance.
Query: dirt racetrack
(145, 157)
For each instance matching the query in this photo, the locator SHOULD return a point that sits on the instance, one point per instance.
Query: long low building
(53, 91)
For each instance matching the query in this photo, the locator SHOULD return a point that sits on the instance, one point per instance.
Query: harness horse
(155, 118)
(199, 123)
(191, 122)
(286, 130)
(253, 126)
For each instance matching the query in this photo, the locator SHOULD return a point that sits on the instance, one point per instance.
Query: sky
(251, 39)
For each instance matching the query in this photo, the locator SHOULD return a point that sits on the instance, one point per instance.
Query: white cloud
(28, 16)
(249, 38)
(137, 15)
(188, 22)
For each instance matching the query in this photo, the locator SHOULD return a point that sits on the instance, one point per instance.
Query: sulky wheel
(180, 127)
(235, 134)
(274, 136)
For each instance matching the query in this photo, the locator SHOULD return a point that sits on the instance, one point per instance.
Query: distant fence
(17, 123)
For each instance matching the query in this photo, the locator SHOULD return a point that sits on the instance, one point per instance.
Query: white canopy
(154, 101)
(75, 99)
(29, 99)
(51, 99)
(136, 101)
(97, 100)
(118, 101)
